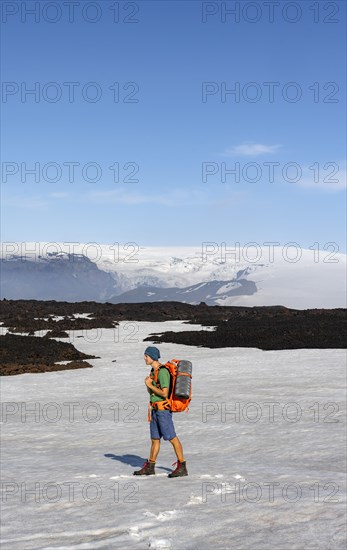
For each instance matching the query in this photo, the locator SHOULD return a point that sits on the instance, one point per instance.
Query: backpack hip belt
(161, 405)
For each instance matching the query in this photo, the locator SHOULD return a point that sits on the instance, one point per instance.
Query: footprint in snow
(159, 544)
(134, 532)
(163, 516)
(194, 500)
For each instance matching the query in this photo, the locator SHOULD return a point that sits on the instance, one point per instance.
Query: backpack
(180, 391)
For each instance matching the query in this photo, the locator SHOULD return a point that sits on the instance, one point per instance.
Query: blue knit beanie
(153, 352)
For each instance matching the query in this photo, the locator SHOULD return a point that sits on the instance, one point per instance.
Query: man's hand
(148, 382)
(162, 393)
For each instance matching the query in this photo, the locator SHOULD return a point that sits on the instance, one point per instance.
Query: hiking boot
(146, 470)
(181, 469)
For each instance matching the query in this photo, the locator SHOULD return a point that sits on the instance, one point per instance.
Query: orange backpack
(173, 403)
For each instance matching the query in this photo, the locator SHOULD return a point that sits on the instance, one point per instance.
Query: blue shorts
(162, 425)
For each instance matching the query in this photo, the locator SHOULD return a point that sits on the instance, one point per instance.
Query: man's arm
(164, 379)
(162, 393)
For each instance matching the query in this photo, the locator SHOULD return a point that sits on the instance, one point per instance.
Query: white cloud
(121, 197)
(251, 150)
(35, 202)
(177, 197)
(331, 178)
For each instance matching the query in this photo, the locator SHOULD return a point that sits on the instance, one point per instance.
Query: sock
(152, 461)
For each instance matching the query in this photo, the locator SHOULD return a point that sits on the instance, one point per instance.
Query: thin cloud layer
(251, 150)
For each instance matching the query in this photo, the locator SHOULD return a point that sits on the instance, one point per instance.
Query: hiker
(161, 423)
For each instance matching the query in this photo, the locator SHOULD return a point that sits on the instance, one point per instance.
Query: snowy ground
(268, 476)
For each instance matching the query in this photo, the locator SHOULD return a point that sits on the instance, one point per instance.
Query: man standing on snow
(161, 425)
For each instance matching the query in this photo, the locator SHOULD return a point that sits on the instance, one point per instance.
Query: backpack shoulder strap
(170, 385)
(156, 373)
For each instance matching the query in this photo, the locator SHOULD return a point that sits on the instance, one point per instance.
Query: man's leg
(155, 437)
(178, 448)
(155, 447)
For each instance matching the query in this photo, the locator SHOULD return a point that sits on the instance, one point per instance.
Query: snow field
(264, 447)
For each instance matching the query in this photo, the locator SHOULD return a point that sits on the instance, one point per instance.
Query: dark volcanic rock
(56, 334)
(269, 330)
(9, 370)
(20, 354)
(267, 327)
(26, 315)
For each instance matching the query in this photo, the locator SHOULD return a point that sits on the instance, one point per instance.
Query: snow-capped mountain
(75, 272)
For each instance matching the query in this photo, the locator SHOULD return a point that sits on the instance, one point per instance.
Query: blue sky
(174, 145)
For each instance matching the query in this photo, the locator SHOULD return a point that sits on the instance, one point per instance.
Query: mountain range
(104, 273)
